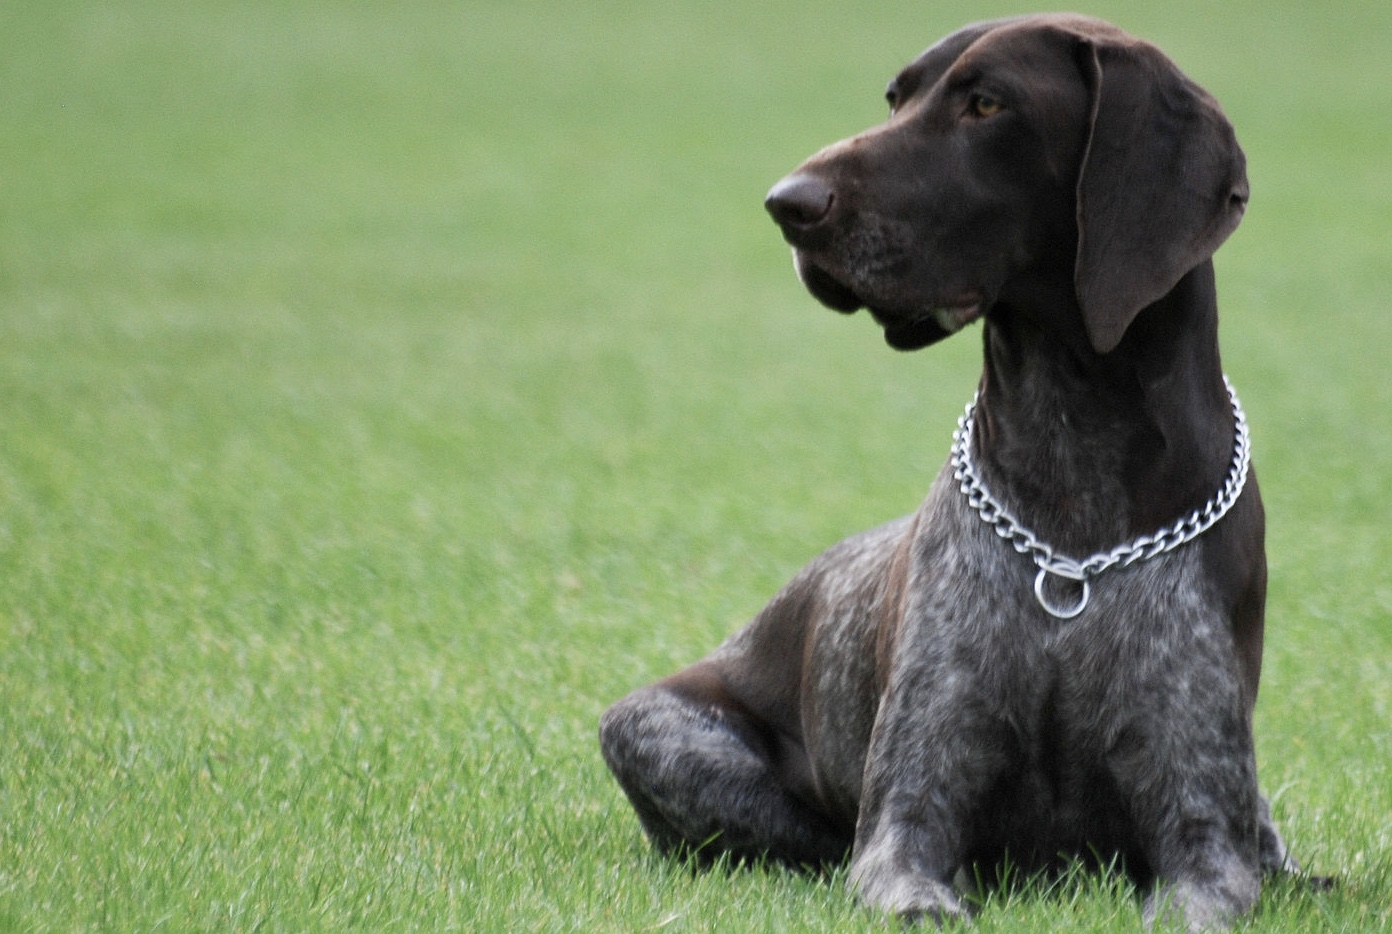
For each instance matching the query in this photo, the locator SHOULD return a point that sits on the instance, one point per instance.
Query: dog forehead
(1074, 24)
(1018, 36)
(941, 55)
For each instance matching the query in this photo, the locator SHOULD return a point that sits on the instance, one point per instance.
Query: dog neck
(1119, 444)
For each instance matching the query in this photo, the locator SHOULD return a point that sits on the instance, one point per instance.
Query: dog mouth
(903, 329)
(824, 287)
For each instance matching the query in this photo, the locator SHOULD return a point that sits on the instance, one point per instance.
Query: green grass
(385, 388)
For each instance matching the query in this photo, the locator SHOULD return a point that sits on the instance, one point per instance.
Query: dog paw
(916, 900)
(1187, 906)
(908, 896)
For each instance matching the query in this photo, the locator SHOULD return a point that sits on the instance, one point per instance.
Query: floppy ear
(1163, 183)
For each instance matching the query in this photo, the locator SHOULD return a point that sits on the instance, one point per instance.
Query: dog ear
(1162, 184)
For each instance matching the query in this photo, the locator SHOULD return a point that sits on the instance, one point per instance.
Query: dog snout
(800, 203)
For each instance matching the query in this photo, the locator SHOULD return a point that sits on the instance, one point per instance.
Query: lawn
(386, 388)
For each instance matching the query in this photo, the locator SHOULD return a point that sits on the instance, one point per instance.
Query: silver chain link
(1049, 561)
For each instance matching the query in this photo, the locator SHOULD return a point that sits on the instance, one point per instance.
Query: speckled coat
(906, 698)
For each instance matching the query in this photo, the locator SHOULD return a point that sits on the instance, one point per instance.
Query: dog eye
(984, 105)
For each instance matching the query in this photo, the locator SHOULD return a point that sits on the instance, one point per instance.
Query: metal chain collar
(1147, 546)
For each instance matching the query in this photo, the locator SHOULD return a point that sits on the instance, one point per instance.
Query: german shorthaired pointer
(1056, 658)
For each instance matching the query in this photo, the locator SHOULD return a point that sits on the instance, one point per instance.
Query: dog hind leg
(704, 778)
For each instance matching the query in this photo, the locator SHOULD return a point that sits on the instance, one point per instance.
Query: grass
(384, 389)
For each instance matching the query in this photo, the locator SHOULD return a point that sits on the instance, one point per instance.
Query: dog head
(1049, 155)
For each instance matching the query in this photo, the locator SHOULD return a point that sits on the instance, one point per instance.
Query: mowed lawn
(386, 388)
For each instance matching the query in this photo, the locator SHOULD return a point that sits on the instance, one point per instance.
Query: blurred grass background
(384, 389)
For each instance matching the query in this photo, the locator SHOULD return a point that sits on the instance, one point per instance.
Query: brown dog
(953, 688)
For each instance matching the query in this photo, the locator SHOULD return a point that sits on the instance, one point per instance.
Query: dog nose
(800, 201)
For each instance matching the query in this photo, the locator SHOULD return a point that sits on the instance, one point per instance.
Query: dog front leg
(1193, 792)
(1210, 887)
(929, 765)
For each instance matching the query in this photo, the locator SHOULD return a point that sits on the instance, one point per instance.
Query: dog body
(908, 697)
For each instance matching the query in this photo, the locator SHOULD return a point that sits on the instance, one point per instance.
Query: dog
(1056, 658)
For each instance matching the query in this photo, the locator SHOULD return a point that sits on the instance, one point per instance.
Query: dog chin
(918, 332)
(913, 336)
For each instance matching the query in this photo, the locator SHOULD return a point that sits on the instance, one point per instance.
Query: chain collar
(994, 514)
